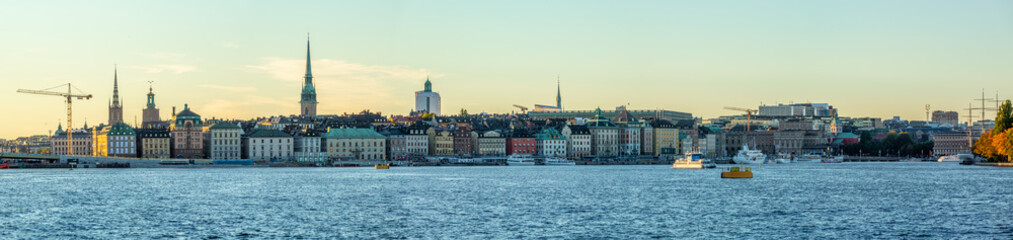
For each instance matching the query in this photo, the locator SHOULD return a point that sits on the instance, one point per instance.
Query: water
(850, 200)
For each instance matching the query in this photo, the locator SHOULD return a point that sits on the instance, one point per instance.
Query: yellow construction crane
(523, 108)
(749, 115)
(69, 95)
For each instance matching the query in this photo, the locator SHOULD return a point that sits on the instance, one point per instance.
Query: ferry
(520, 160)
(382, 166)
(747, 156)
(555, 161)
(692, 160)
(783, 158)
(735, 172)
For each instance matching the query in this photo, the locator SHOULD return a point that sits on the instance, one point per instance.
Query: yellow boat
(735, 173)
(382, 166)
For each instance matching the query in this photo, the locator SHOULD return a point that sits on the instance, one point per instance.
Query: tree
(1003, 145)
(983, 147)
(464, 112)
(1003, 118)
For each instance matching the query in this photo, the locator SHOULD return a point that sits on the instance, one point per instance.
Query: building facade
(355, 144)
(187, 134)
(81, 142)
(441, 141)
(309, 147)
(118, 140)
(150, 118)
(489, 143)
(578, 141)
(550, 143)
(223, 141)
(270, 145)
(153, 142)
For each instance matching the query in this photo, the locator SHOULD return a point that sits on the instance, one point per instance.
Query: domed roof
(186, 112)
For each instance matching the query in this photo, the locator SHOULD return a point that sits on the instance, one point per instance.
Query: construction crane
(749, 115)
(69, 95)
(523, 108)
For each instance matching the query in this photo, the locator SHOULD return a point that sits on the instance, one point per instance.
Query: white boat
(783, 158)
(692, 160)
(747, 156)
(555, 161)
(809, 157)
(837, 159)
(950, 158)
(520, 160)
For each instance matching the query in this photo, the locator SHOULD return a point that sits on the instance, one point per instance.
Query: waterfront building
(520, 143)
(81, 140)
(798, 110)
(187, 135)
(949, 143)
(489, 143)
(118, 140)
(150, 118)
(223, 141)
(578, 141)
(308, 148)
(269, 145)
(629, 132)
(441, 141)
(946, 117)
(550, 143)
(604, 136)
(115, 108)
(356, 144)
(463, 143)
(665, 138)
(397, 143)
(308, 102)
(153, 142)
(416, 140)
(427, 100)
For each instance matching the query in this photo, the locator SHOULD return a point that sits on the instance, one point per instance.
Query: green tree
(464, 112)
(1004, 118)
(983, 147)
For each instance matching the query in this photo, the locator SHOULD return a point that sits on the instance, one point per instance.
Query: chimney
(173, 111)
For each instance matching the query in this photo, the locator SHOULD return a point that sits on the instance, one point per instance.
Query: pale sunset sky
(244, 59)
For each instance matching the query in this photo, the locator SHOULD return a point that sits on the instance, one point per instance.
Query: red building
(520, 145)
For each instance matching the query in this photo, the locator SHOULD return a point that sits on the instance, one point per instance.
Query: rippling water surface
(849, 200)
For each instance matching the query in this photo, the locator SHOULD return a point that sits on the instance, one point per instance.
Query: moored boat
(749, 156)
(555, 161)
(837, 159)
(520, 160)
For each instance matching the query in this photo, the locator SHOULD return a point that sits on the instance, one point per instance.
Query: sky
(246, 59)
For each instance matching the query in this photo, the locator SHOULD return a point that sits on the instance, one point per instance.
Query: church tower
(150, 112)
(308, 104)
(115, 109)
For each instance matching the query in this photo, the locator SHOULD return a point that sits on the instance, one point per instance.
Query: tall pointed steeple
(115, 107)
(308, 104)
(309, 69)
(116, 88)
(559, 97)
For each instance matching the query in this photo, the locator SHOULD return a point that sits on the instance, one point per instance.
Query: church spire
(559, 97)
(309, 71)
(116, 89)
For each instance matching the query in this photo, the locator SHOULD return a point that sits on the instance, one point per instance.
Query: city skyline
(383, 55)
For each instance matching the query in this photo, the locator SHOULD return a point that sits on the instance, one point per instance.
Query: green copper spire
(559, 97)
(429, 85)
(309, 93)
